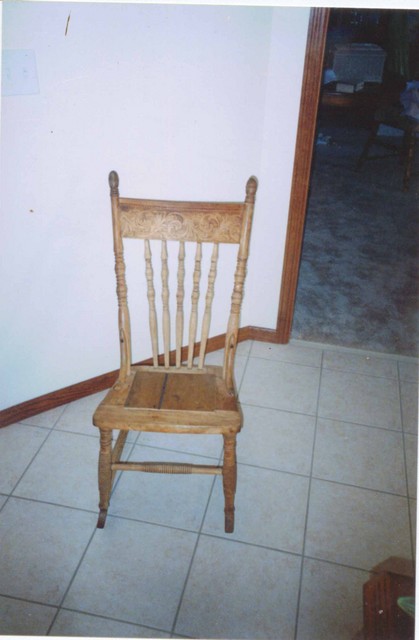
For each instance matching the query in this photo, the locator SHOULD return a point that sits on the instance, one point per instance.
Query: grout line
(35, 454)
(28, 421)
(297, 610)
(71, 581)
(220, 458)
(255, 545)
(110, 619)
(352, 350)
(20, 599)
(244, 371)
(79, 433)
(412, 542)
(340, 369)
(339, 564)
(54, 504)
(199, 533)
(283, 361)
(314, 415)
(357, 486)
(178, 451)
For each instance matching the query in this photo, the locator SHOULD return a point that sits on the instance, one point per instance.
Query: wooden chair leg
(229, 480)
(105, 475)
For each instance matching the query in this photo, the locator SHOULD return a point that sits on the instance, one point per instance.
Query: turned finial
(114, 183)
(251, 187)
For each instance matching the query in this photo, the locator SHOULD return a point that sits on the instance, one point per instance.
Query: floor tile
(64, 472)
(239, 591)
(46, 418)
(148, 564)
(72, 623)
(241, 585)
(244, 348)
(270, 509)
(411, 447)
(78, 415)
(196, 444)
(334, 611)
(356, 527)
(409, 398)
(177, 500)
(362, 456)
(295, 353)
(359, 399)
(276, 439)
(41, 547)
(18, 617)
(360, 363)
(280, 385)
(18, 445)
(240, 364)
(408, 370)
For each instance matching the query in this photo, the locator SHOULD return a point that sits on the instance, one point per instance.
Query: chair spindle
(195, 298)
(180, 295)
(206, 321)
(175, 399)
(165, 300)
(151, 295)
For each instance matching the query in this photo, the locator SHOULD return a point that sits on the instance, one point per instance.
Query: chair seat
(176, 400)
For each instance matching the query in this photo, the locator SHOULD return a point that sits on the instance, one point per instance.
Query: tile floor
(326, 490)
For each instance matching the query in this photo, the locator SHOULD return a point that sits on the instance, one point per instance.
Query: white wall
(184, 102)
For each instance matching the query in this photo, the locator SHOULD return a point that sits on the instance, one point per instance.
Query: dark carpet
(358, 282)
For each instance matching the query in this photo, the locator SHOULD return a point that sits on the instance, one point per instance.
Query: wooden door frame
(310, 92)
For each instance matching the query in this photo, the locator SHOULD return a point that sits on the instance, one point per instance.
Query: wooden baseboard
(25, 410)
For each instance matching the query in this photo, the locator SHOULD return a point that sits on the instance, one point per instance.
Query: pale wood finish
(104, 381)
(180, 296)
(182, 221)
(151, 294)
(170, 395)
(165, 299)
(208, 306)
(193, 324)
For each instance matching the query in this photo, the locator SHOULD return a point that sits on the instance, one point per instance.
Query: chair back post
(239, 278)
(121, 285)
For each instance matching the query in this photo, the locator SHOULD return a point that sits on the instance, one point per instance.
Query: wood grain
(185, 221)
(313, 70)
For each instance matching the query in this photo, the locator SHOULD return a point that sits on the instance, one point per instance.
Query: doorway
(357, 283)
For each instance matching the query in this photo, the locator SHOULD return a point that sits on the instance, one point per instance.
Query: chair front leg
(229, 480)
(105, 475)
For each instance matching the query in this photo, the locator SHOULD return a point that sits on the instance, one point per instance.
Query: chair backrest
(184, 222)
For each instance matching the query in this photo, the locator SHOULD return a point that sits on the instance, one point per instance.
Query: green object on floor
(407, 604)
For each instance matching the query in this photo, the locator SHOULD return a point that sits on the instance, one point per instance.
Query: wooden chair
(169, 395)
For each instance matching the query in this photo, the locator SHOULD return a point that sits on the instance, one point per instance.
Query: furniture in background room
(177, 393)
(392, 116)
(392, 584)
